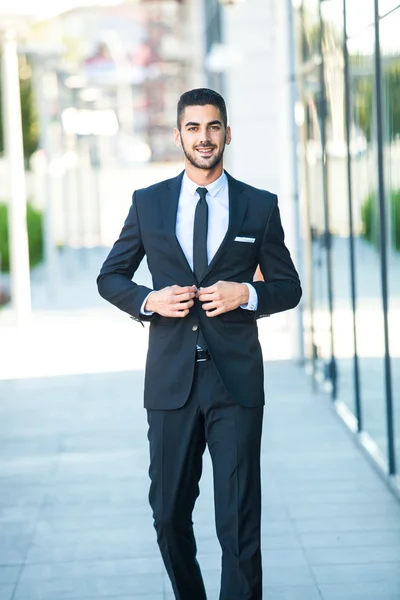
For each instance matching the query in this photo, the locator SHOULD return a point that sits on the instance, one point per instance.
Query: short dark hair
(201, 97)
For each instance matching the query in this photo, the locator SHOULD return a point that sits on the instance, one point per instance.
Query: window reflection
(310, 30)
(325, 154)
(369, 316)
(336, 152)
(360, 15)
(390, 50)
(386, 6)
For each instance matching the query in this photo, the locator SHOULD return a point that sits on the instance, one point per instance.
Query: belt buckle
(202, 355)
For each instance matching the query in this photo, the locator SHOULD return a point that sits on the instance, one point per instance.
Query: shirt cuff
(252, 304)
(146, 313)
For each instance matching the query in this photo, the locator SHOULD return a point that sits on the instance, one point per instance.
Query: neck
(203, 177)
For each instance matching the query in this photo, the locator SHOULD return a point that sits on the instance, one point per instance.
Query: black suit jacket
(232, 337)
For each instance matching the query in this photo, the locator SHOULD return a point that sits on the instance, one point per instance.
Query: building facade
(314, 91)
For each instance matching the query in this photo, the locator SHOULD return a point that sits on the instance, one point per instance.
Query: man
(204, 233)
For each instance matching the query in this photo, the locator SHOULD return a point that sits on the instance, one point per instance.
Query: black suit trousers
(177, 442)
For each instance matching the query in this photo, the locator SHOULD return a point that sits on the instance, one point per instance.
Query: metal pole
(351, 226)
(50, 251)
(296, 208)
(332, 368)
(14, 152)
(383, 249)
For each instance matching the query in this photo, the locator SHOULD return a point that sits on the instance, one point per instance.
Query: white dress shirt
(218, 219)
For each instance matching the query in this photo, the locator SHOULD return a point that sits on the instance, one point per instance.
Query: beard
(201, 162)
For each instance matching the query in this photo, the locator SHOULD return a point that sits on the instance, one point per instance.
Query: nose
(204, 136)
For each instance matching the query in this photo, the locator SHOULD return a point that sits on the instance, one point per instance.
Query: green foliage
(29, 120)
(363, 96)
(392, 81)
(35, 236)
(395, 206)
(370, 219)
(362, 104)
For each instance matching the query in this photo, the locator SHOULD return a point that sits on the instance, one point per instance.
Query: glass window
(310, 40)
(336, 156)
(369, 317)
(386, 6)
(360, 15)
(390, 51)
(313, 181)
(307, 32)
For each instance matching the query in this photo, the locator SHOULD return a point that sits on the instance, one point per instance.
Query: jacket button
(195, 327)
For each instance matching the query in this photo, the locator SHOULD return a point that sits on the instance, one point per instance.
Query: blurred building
(314, 93)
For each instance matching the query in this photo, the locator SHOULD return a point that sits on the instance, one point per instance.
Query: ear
(177, 137)
(228, 136)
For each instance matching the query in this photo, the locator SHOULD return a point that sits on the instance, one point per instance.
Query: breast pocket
(243, 249)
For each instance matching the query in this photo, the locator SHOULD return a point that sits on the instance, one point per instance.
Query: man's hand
(222, 297)
(172, 301)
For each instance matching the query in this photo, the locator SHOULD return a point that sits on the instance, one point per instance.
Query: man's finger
(184, 297)
(181, 313)
(208, 290)
(206, 297)
(179, 291)
(217, 311)
(211, 306)
(183, 305)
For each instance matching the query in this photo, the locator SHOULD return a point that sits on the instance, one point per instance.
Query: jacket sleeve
(115, 279)
(281, 289)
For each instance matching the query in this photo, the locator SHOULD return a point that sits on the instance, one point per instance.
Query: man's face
(202, 136)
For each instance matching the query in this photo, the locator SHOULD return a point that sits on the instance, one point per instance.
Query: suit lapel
(169, 207)
(237, 209)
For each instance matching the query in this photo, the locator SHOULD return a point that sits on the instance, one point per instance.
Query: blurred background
(88, 104)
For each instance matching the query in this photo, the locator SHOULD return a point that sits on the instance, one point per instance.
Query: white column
(14, 152)
(44, 81)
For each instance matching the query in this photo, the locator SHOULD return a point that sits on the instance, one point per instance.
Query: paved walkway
(74, 518)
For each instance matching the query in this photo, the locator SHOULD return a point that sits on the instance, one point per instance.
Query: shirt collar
(213, 188)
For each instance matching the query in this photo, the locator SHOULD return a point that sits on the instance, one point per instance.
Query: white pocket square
(249, 240)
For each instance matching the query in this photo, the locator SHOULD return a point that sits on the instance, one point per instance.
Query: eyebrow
(194, 124)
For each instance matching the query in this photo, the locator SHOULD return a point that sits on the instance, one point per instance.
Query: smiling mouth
(205, 151)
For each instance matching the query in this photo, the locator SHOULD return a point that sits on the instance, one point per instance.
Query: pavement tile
(13, 547)
(212, 581)
(347, 524)
(77, 521)
(353, 555)
(338, 498)
(293, 488)
(9, 574)
(101, 568)
(361, 591)
(98, 548)
(353, 573)
(346, 539)
(331, 510)
(308, 592)
(95, 586)
(11, 515)
(132, 596)
(283, 576)
(280, 542)
(6, 591)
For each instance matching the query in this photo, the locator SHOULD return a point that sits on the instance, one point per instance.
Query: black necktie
(200, 259)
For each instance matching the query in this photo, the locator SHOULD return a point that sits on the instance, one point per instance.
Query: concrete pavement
(74, 517)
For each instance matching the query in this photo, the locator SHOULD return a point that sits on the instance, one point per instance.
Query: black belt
(202, 355)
